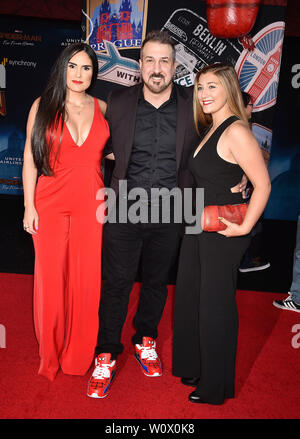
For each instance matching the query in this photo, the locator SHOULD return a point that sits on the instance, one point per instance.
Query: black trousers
(124, 245)
(205, 313)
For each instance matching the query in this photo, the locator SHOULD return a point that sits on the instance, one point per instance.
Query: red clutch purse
(235, 213)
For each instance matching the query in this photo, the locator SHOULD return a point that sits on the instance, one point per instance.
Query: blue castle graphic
(111, 25)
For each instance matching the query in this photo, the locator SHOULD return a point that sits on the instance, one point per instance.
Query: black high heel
(193, 382)
(193, 397)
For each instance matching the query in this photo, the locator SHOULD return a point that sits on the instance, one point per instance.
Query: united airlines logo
(258, 70)
(115, 68)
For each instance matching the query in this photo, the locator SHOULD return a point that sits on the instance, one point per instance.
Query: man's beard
(159, 88)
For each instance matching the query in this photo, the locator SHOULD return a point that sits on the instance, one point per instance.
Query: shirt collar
(171, 99)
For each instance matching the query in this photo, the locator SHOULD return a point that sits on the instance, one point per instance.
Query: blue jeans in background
(295, 287)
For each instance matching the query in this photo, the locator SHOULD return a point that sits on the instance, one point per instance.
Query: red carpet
(267, 379)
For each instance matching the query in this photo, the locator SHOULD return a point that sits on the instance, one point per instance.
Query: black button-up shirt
(153, 158)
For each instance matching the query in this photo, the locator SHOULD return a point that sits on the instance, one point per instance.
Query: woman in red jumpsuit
(66, 135)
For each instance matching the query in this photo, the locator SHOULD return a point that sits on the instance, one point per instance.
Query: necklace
(77, 108)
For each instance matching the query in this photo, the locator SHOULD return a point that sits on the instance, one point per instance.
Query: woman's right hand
(31, 220)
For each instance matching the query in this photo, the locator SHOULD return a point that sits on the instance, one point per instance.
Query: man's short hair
(162, 37)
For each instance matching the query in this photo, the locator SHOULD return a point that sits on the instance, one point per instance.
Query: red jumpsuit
(68, 253)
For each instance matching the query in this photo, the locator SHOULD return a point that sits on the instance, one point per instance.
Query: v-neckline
(194, 156)
(79, 146)
(199, 149)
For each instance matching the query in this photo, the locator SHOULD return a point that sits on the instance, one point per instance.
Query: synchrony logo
(22, 63)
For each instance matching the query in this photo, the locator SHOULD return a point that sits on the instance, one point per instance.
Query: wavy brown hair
(229, 80)
(52, 107)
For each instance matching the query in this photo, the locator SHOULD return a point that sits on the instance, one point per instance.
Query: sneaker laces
(102, 371)
(149, 353)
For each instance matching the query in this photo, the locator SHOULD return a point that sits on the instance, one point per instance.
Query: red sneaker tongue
(147, 341)
(105, 358)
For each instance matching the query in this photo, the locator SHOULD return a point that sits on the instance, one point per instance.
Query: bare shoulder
(238, 132)
(33, 110)
(31, 120)
(237, 129)
(35, 105)
(240, 140)
(102, 105)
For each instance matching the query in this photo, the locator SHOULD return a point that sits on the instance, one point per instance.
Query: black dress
(205, 314)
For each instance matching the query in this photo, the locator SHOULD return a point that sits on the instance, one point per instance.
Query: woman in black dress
(205, 317)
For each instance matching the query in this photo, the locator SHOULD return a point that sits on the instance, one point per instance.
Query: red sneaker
(147, 356)
(101, 379)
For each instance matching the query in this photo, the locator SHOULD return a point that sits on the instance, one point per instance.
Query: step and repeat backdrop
(284, 167)
(115, 30)
(28, 48)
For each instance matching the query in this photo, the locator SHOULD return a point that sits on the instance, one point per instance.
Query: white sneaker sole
(261, 267)
(285, 307)
(95, 396)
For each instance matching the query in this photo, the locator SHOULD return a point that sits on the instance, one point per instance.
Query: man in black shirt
(152, 135)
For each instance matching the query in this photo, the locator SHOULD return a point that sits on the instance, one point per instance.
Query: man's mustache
(157, 75)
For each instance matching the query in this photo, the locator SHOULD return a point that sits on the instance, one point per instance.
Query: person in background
(292, 302)
(253, 260)
(66, 136)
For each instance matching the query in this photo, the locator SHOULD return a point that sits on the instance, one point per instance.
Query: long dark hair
(52, 106)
